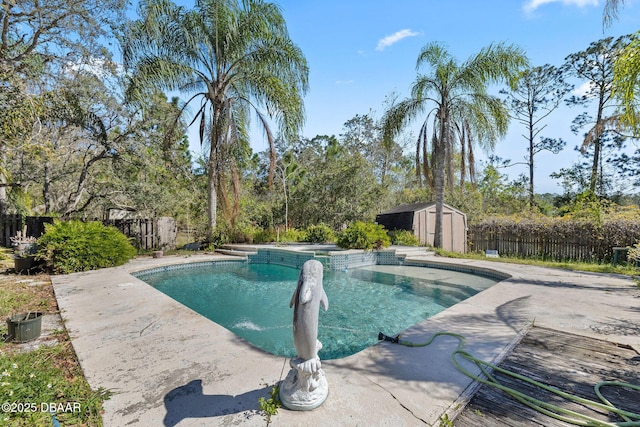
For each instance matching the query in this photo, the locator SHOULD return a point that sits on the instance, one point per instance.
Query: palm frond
(593, 135)
(610, 12)
(626, 80)
(234, 55)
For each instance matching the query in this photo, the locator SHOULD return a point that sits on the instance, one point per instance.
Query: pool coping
(168, 365)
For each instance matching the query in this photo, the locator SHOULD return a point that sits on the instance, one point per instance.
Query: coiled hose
(630, 419)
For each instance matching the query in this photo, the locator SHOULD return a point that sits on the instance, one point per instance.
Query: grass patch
(44, 381)
(48, 379)
(23, 294)
(624, 269)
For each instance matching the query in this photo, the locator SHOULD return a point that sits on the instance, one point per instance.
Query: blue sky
(360, 51)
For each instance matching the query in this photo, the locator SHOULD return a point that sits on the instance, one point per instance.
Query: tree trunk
(286, 200)
(531, 153)
(74, 198)
(418, 165)
(3, 178)
(215, 144)
(593, 181)
(439, 170)
(463, 159)
(597, 145)
(212, 175)
(46, 188)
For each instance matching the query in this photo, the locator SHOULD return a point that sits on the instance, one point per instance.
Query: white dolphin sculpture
(306, 387)
(306, 300)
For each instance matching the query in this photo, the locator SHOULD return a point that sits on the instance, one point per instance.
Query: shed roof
(409, 207)
(415, 207)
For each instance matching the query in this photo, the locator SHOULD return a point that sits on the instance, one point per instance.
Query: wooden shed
(421, 219)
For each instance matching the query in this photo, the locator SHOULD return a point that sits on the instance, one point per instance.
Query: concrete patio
(167, 365)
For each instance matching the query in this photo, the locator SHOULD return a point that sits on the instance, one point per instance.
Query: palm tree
(454, 96)
(610, 12)
(233, 57)
(626, 73)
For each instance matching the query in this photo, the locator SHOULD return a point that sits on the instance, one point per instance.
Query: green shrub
(291, 235)
(634, 254)
(271, 235)
(403, 238)
(219, 237)
(243, 234)
(320, 233)
(363, 235)
(72, 246)
(558, 239)
(264, 236)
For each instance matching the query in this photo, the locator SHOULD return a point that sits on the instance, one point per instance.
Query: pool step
(406, 252)
(413, 252)
(232, 252)
(237, 250)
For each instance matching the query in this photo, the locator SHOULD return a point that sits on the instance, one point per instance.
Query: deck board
(571, 363)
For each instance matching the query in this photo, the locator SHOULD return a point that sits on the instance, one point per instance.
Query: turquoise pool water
(252, 300)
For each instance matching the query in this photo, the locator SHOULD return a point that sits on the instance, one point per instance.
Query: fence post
(10, 224)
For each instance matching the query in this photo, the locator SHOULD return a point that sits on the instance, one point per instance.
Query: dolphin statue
(307, 298)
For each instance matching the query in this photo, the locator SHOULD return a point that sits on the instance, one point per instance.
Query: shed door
(430, 229)
(420, 227)
(447, 228)
(447, 231)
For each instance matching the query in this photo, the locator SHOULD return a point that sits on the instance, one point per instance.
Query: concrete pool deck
(167, 365)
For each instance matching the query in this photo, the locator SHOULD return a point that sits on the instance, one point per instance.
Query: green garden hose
(630, 419)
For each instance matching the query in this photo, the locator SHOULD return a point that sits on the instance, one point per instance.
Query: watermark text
(52, 407)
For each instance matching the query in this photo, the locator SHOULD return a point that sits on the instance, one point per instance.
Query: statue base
(304, 389)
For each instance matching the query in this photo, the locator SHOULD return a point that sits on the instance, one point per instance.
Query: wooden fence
(580, 248)
(146, 234)
(33, 226)
(573, 243)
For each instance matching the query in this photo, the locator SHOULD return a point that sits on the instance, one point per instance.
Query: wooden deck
(571, 363)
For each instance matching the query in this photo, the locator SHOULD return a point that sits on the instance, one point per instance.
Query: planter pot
(24, 327)
(157, 254)
(24, 265)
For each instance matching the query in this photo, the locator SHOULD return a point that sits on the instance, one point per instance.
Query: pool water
(252, 300)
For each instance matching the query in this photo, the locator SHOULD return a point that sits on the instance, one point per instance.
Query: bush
(267, 235)
(72, 246)
(559, 239)
(292, 235)
(363, 235)
(634, 254)
(320, 233)
(403, 238)
(219, 237)
(271, 235)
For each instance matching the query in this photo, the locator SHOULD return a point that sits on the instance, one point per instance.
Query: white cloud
(583, 89)
(395, 38)
(532, 5)
(96, 66)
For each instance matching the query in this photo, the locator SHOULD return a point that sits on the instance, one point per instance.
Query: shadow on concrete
(617, 326)
(511, 312)
(188, 401)
(621, 288)
(433, 362)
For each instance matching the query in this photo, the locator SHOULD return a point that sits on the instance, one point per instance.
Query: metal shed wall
(396, 221)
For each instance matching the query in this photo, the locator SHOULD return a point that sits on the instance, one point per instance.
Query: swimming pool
(252, 300)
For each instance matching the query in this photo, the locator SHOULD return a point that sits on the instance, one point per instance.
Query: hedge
(555, 239)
